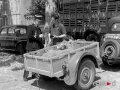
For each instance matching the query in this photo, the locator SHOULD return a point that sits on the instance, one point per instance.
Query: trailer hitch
(65, 71)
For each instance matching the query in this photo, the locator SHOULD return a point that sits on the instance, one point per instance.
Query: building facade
(12, 12)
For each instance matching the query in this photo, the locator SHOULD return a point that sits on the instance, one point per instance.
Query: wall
(12, 12)
(18, 9)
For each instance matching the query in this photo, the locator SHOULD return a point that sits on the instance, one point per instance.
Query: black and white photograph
(59, 44)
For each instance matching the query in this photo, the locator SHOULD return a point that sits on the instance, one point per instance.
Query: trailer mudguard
(73, 65)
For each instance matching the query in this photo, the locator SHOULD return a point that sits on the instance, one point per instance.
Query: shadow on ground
(114, 68)
(52, 85)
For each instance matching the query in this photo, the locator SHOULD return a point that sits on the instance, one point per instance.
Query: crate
(66, 16)
(112, 7)
(73, 16)
(72, 23)
(83, 12)
(103, 7)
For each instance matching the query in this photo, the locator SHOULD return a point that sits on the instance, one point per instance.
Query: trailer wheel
(86, 75)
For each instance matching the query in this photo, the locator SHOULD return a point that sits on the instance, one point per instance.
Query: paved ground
(11, 78)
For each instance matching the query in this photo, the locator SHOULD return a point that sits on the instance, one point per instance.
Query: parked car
(13, 38)
(110, 49)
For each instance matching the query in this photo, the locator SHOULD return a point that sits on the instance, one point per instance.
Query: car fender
(73, 65)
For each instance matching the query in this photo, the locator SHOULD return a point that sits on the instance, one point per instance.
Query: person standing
(34, 41)
(57, 30)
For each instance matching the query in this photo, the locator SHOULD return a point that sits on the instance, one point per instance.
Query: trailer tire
(112, 47)
(86, 75)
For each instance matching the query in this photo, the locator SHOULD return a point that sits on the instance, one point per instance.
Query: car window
(11, 31)
(4, 31)
(21, 31)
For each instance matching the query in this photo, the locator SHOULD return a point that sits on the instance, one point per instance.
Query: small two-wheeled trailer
(74, 62)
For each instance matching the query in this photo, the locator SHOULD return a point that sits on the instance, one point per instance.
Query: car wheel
(111, 49)
(20, 49)
(86, 75)
(92, 37)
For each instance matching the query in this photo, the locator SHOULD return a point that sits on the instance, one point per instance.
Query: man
(34, 41)
(57, 30)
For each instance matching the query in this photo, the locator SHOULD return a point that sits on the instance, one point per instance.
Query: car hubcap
(85, 75)
(109, 50)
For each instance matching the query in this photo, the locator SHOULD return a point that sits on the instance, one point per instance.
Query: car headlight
(116, 27)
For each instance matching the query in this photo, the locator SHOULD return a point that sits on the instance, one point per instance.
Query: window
(21, 31)
(11, 31)
(4, 31)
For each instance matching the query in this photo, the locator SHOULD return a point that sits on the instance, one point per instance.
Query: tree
(38, 8)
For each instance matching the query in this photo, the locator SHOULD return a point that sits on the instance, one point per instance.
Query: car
(13, 38)
(110, 49)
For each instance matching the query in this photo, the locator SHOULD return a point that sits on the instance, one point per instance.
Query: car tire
(20, 49)
(112, 48)
(87, 67)
(92, 37)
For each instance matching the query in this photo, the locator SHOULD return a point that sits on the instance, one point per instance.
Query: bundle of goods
(63, 47)
(56, 50)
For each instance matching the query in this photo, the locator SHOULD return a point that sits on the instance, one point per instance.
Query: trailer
(72, 61)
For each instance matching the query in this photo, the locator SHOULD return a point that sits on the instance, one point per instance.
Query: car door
(10, 39)
(3, 35)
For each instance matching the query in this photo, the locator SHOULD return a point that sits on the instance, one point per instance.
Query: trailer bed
(49, 61)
